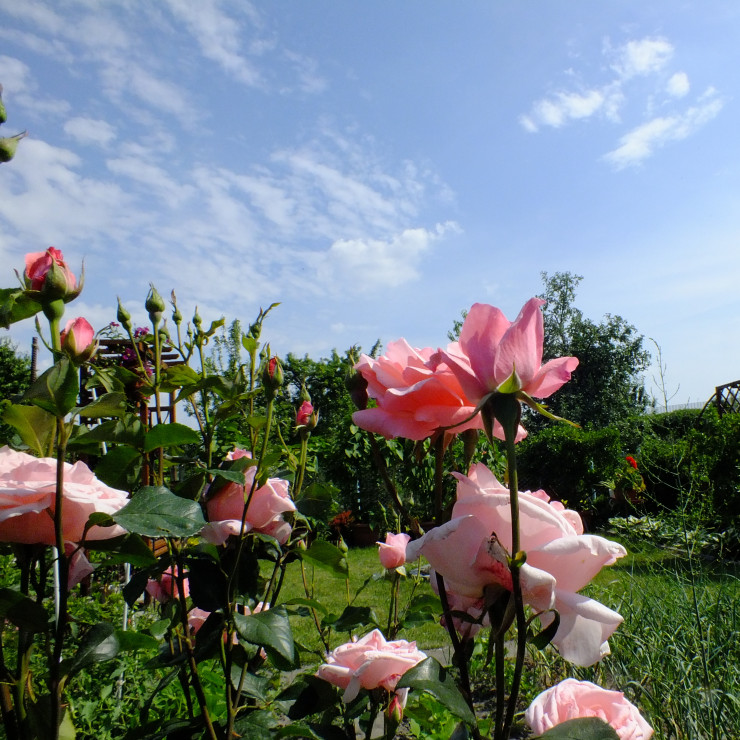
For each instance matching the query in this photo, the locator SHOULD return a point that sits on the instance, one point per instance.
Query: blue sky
(379, 166)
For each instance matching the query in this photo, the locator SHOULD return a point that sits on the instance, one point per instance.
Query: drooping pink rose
(392, 552)
(78, 340)
(561, 560)
(369, 663)
(225, 508)
(491, 349)
(414, 399)
(38, 265)
(572, 699)
(27, 492)
(165, 587)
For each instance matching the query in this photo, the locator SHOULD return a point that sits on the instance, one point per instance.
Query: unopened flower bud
(78, 340)
(3, 113)
(154, 305)
(342, 545)
(272, 377)
(395, 709)
(176, 315)
(306, 418)
(356, 384)
(47, 275)
(197, 320)
(124, 317)
(8, 146)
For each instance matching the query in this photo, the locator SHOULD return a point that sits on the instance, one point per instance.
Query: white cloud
(359, 265)
(155, 179)
(640, 143)
(678, 85)
(643, 57)
(218, 36)
(90, 130)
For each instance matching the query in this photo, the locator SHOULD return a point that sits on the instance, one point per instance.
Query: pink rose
(303, 416)
(78, 340)
(225, 508)
(392, 552)
(572, 699)
(27, 492)
(38, 265)
(165, 587)
(414, 399)
(369, 663)
(561, 560)
(491, 349)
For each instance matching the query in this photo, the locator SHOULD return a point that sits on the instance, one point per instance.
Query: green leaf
(130, 641)
(431, 677)
(22, 611)
(252, 686)
(258, 724)
(34, 425)
(109, 404)
(352, 617)
(154, 511)
(583, 728)
(208, 583)
(269, 629)
(56, 390)
(115, 466)
(128, 548)
(170, 435)
(317, 500)
(542, 639)
(15, 306)
(311, 603)
(325, 555)
(308, 695)
(98, 644)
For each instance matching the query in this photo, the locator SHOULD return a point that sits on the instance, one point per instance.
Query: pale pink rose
(572, 699)
(38, 265)
(392, 552)
(165, 587)
(27, 492)
(491, 348)
(196, 619)
(225, 508)
(78, 339)
(561, 560)
(414, 400)
(369, 663)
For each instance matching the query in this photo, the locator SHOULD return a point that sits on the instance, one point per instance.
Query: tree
(608, 383)
(15, 377)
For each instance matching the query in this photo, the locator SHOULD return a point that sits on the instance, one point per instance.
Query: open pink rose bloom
(225, 508)
(27, 493)
(492, 349)
(415, 397)
(369, 663)
(561, 560)
(572, 699)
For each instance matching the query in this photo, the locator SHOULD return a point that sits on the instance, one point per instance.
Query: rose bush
(369, 663)
(572, 699)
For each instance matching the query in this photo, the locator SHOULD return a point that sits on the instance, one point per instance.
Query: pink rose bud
(395, 708)
(78, 340)
(47, 273)
(304, 414)
(392, 552)
(272, 377)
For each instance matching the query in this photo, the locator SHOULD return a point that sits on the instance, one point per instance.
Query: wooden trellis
(727, 398)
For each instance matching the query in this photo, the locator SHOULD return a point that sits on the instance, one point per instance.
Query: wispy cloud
(648, 58)
(642, 141)
(642, 57)
(89, 130)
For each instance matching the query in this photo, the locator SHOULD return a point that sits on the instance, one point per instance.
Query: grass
(368, 587)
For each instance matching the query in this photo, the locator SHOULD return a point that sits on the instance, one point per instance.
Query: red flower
(631, 460)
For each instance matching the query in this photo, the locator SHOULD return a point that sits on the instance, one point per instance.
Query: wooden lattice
(727, 398)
